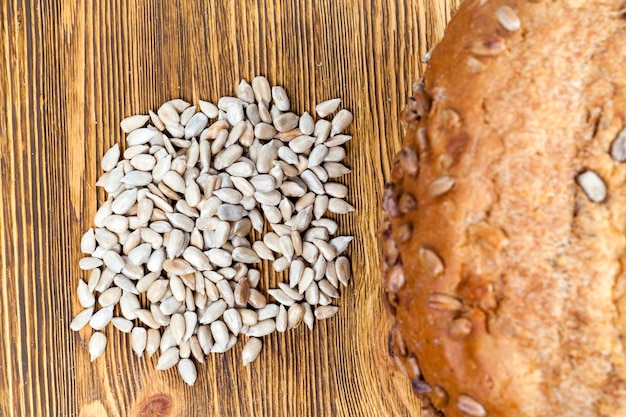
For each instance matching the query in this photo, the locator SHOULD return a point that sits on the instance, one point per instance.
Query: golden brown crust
(508, 288)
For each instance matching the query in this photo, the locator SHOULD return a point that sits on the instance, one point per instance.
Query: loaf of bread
(504, 239)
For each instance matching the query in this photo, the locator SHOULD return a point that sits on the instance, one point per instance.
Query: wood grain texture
(70, 71)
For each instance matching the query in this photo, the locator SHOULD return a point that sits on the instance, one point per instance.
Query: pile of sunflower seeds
(171, 257)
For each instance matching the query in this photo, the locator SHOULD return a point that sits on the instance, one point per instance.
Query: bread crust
(507, 283)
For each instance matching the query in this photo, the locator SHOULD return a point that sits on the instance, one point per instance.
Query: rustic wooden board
(70, 71)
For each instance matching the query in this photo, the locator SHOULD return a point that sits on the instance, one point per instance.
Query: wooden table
(70, 71)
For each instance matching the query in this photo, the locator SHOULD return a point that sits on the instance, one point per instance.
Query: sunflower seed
(232, 319)
(262, 90)
(230, 212)
(167, 340)
(262, 250)
(325, 312)
(138, 339)
(256, 299)
(295, 314)
(262, 328)
(168, 359)
(342, 269)
(338, 206)
(196, 349)
(110, 297)
(296, 270)
(97, 344)
(327, 288)
(123, 325)
(209, 109)
(146, 317)
(290, 292)
(141, 136)
(340, 122)
(129, 305)
(81, 319)
(438, 301)
(334, 147)
(220, 333)
(245, 92)
(508, 18)
(335, 169)
(301, 144)
(251, 350)
(110, 158)
(281, 100)
(187, 371)
(281, 264)
(327, 107)
(286, 246)
(242, 292)
(307, 278)
(94, 279)
(248, 317)
(311, 180)
(101, 318)
(306, 124)
(213, 312)
(89, 263)
(618, 147)
(319, 268)
(593, 186)
(85, 297)
(303, 219)
(269, 311)
(156, 121)
(470, 406)
(322, 130)
(312, 294)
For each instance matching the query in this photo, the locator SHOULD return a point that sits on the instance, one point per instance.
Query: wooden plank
(70, 71)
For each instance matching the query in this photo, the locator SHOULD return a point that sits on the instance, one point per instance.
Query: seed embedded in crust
(439, 301)
(470, 406)
(409, 160)
(395, 278)
(406, 203)
(430, 261)
(460, 328)
(508, 18)
(488, 46)
(441, 186)
(593, 186)
(390, 201)
(618, 147)
(420, 387)
(439, 397)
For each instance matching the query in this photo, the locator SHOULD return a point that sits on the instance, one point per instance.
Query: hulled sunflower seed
(262, 328)
(168, 359)
(251, 350)
(138, 340)
(123, 325)
(101, 318)
(81, 319)
(325, 312)
(97, 344)
(262, 90)
(187, 371)
(338, 206)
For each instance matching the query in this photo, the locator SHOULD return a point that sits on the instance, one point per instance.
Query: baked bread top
(505, 247)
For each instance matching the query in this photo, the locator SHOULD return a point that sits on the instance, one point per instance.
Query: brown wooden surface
(70, 71)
